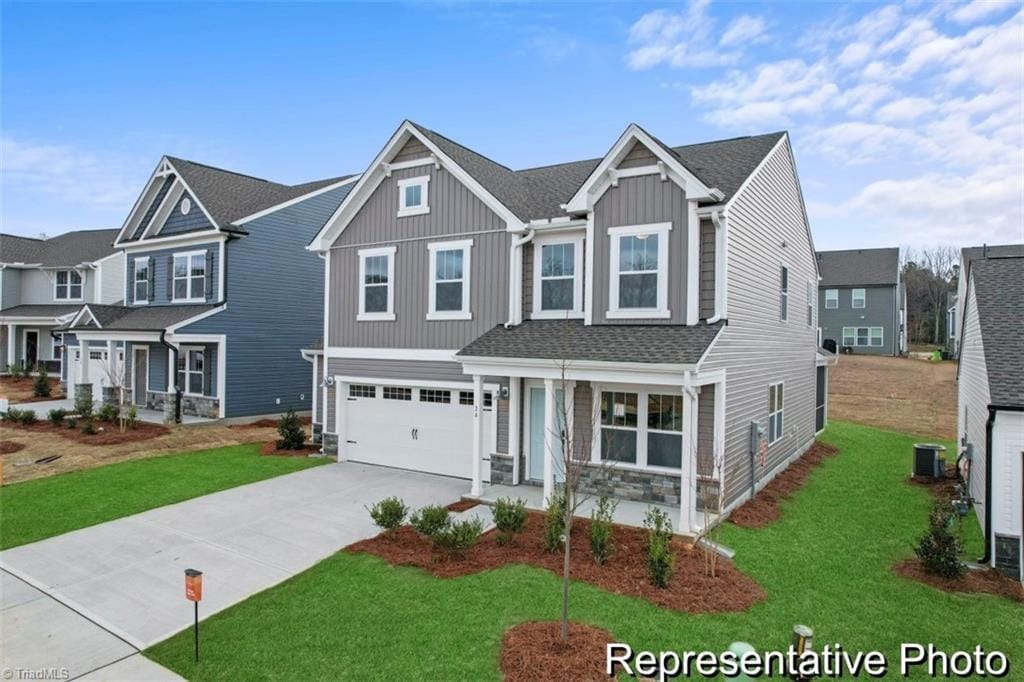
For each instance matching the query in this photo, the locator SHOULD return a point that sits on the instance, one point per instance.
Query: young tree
(708, 491)
(117, 378)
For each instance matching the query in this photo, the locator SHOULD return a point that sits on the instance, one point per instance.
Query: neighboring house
(991, 404)
(862, 301)
(967, 255)
(672, 288)
(44, 282)
(219, 294)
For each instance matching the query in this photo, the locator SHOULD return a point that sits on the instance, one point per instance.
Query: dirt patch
(106, 433)
(266, 424)
(898, 394)
(9, 446)
(943, 488)
(981, 580)
(23, 390)
(689, 589)
(462, 505)
(271, 449)
(764, 508)
(534, 652)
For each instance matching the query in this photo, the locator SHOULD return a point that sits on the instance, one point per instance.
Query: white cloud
(686, 38)
(978, 9)
(904, 109)
(743, 29)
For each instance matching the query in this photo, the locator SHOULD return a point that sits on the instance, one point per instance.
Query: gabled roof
(859, 267)
(64, 250)
(999, 293)
(36, 310)
(970, 253)
(142, 318)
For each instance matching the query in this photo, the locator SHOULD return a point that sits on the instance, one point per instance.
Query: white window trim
(424, 182)
(389, 314)
(184, 351)
(834, 300)
(135, 282)
(69, 297)
(466, 246)
(780, 411)
(784, 293)
(661, 311)
(863, 299)
(641, 429)
(856, 337)
(811, 303)
(189, 298)
(577, 290)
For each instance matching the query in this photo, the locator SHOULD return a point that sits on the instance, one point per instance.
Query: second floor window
(859, 298)
(831, 299)
(189, 276)
(140, 285)
(639, 271)
(412, 196)
(449, 281)
(557, 286)
(68, 286)
(784, 294)
(376, 284)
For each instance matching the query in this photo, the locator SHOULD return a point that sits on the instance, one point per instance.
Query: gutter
(177, 389)
(719, 219)
(516, 277)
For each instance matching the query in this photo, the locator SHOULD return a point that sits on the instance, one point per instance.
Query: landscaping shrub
(290, 429)
(661, 560)
(389, 513)
(939, 549)
(132, 417)
(554, 522)
(107, 413)
(602, 544)
(56, 416)
(88, 428)
(83, 405)
(72, 423)
(41, 386)
(430, 520)
(23, 417)
(458, 537)
(509, 518)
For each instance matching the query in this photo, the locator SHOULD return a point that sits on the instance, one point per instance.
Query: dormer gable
(166, 206)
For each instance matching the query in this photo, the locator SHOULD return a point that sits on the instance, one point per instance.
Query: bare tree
(708, 491)
(117, 377)
(928, 275)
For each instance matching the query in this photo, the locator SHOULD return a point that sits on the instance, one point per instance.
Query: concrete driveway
(119, 587)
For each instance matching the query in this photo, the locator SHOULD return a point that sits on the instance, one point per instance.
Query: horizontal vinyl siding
(177, 223)
(880, 310)
(163, 286)
(757, 349)
(973, 398)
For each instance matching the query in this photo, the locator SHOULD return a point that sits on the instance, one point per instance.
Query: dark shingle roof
(142, 318)
(68, 249)
(536, 193)
(859, 267)
(40, 310)
(572, 340)
(999, 292)
(969, 253)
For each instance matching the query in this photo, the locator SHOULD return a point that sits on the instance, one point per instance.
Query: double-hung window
(377, 284)
(864, 336)
(448, 297)
(557, 280)
(189, 276)
(619, 426)
(859, 298)
(775, 411)
(191, 368)
(784, 293)
(68, 285)
(831, 299)
(642, 428)
(140, 283)
(412, 196)
(638, 282)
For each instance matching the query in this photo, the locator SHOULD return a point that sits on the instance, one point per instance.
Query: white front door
(422, 429)
(535, 431)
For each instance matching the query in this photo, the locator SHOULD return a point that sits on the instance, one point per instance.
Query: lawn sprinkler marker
(194, 593)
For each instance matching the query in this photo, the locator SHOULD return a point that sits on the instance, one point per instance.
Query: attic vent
(186, 206)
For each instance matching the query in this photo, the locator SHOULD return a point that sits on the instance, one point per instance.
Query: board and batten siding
(639, 201)
(973, 399)
(707, 269)
(455, 214)
(757, 349)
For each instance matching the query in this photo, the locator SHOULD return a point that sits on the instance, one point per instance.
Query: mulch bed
(270, 448)
(9, 446)
(981, 580)
(266, 424)
(462, 505)
(689, 589)
(942, 488)
(28, 385)
(106, 433)
(764, 508)
(534, 652)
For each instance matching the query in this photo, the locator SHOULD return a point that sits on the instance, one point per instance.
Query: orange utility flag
(193, 584)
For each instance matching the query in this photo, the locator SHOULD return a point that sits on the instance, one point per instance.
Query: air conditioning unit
(928, 461)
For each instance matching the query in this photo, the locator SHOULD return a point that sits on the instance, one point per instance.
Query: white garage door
(423, 429)
(98, 374)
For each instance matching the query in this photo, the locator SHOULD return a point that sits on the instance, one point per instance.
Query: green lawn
(825, 563)
(45, 507)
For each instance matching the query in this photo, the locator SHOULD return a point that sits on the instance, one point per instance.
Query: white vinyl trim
(188, 255)
(418, 354)
(134, 283)
(388, 314)
(615, 235)
(466, 246)
(576, 239)
(68, 284)
(404, 209)
(134, 348)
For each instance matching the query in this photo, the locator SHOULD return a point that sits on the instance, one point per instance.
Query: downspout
(989, 423)
(515, 292)
(719, 219)
(177, 389)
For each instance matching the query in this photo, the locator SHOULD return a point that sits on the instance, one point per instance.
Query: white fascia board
(418, 354)
(297, 200)
(577, 370)
(195, 197)
(202, 316)
(163, 211)
(114, 335)
(707, 351)
(78, 317)
(130, 220)
(187, 239)
(44, 321)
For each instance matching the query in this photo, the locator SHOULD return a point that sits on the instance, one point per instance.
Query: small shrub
(939, 549)
(602, 543)
(56, 416)
(389, 513)
(509, 518)
(290, 429)
(23, 417)
(458, 537)
(83, 405)
(661, 560)
(88, 428)
(7, 416)
(107, 413)
(71, 423)
(554, 522)
(17, 371)
(430, 521)
(41, 386)
(132, 417)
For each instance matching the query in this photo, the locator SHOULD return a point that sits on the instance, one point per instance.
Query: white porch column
(478, 405)
(688, 480)
(340, 395)
(84, 365)
(11, 341)
(112, 367)
(513, 425)
(172, 372)
(551, 440)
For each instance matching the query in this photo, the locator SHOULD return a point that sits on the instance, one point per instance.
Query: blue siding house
(213, 260)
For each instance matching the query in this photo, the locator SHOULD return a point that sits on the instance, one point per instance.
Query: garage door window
(431, 395)
(362, 391)
(396, 393)
(466, 398)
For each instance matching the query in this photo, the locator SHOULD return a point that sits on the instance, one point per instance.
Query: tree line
(930, 275)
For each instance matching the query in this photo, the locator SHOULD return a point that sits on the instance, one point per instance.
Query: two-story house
(44, 282)
(663, 298)
(219, 295)
(862, 301)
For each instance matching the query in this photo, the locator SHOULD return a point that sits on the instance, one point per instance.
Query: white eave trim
(297, 200)
(418, 354)
(80, 314)
(195, 318)
(596, 370)
(186, 239)
(162, 170)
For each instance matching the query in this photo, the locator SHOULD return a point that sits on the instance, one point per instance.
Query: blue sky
(907, 120)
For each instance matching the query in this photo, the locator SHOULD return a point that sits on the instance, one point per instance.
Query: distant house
(44, 282)
(991, 404)
(953, 314)
(862, 301)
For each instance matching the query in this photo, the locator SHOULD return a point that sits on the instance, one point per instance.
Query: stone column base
(168, 407)
(331, 445)
(318, 433)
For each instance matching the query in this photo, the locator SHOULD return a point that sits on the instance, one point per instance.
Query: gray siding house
(991, 405)
(219, 294)
(43, 283)
(661, 299)
(861, 301)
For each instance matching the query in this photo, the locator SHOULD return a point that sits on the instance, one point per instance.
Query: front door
(31, 348)
(140, 369)
(536, 433)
